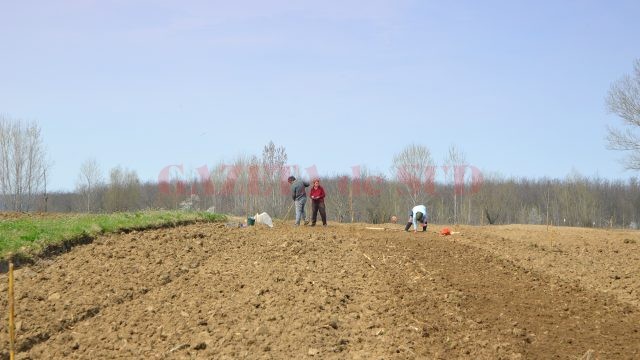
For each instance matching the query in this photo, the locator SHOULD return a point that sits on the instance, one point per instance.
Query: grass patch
(30, 235)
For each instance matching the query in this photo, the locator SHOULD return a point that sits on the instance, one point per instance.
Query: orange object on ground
(445, 231)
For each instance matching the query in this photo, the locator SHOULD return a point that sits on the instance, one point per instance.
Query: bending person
(418, 213)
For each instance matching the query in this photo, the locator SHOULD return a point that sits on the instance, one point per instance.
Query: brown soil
(209, 291)
(10, 215)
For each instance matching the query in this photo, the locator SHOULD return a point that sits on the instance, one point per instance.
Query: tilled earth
(210, 291)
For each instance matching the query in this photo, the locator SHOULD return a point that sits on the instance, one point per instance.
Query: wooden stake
(12, 328)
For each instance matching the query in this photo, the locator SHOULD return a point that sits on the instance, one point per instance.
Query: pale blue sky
(518, 86)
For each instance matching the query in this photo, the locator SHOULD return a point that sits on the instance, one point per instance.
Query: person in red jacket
(317, 203)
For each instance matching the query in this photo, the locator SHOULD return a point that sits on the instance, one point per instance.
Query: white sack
(264, 218)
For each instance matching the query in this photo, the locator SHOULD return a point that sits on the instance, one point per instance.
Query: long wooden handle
(288, 211)
(12, 328)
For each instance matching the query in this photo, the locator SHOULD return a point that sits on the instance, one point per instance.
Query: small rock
(425, 330)
(333, 323)
(313, 352)
(200, 346)
(55, 296)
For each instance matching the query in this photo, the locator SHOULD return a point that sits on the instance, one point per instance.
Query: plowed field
(212, 291)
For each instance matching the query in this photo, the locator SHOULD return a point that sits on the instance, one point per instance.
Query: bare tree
(22, 163)
(372, 196)
(274, 159)
(455, 163)
(624, 100)
(414, 169)
(495, 199)
(338, 199)
(124, 191)
(89, 179)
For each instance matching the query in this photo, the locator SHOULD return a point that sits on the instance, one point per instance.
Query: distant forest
(571, 202)
(463, 195)
(454, 192)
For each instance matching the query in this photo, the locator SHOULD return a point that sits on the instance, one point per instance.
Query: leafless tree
(624, 100)
(373, 196)
(337, 189)
(234, 186)
(123, 193)
(89, 180)
(274, 159)
(455, 163)
(493, 199)
(413, 167)
(579, 200)
(22, 163)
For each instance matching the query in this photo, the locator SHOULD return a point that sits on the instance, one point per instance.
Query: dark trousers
(315, 206)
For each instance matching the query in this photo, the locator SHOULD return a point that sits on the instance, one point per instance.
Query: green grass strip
(31, 234)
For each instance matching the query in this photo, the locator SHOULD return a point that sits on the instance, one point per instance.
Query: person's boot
(424, 228)
(406, 228)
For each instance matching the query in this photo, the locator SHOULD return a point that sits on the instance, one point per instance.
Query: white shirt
(414, 211)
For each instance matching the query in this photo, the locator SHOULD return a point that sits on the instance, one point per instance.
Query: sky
(519, 87)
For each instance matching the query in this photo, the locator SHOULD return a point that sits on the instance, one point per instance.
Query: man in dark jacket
(299, 196)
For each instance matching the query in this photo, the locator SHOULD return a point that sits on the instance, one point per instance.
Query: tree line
(454, 192)
(253, 184)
